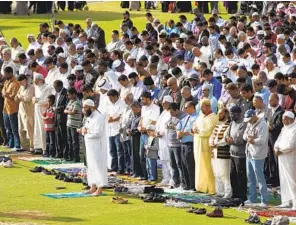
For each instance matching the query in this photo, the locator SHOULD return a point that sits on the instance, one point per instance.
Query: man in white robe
(96, 150)
(42, 90)
(161, 130)
(53, 72)
(285, 149)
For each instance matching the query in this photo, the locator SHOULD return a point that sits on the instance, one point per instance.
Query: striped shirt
(218, 135)
(74, 120)
(49, 123)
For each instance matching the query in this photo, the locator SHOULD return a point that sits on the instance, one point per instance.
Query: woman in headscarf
(207, 93)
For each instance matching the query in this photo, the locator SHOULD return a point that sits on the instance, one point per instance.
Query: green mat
(51, 162)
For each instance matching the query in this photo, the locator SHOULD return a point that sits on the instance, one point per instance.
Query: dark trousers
(176, 164)
(50, 143)
(70, 5)
(61, 141)
(271, 170)
(73, 143)
(238, 178)
(188, 165)
(117, 155)
(34, 5)
(127, 151)
(136, 164)
(11, 127)
(3, 137)
(62, 5)
(143, 139)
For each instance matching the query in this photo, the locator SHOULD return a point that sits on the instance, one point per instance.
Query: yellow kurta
(204, 176)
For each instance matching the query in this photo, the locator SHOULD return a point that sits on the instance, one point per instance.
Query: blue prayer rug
(70, 195)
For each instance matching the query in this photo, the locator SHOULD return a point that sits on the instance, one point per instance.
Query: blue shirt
(154, 92)
(214, 41)
(264, 94)
(171, 30)
(196, 91)
(217, 87)
(185, 125)
(188, 55)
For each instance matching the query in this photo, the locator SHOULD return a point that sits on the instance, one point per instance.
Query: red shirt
(43, 71)
(49, 123)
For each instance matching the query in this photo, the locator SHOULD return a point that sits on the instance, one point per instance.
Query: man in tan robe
(26, 110)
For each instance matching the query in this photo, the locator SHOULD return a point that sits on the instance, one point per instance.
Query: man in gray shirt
(238, 172)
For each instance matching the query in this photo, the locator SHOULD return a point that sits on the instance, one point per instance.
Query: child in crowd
(48, 118)
(74, 110)
(151, 147)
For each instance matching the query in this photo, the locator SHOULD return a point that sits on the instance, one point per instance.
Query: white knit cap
(104, 85)
(89, 102)
(289, 114)
(168, 99)
(38, 76)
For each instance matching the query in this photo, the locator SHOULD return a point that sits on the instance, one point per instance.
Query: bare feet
(90, 191)
(98, 192)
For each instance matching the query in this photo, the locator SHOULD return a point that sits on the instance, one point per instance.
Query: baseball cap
(235, 109)
(193, 76)
(249, 114)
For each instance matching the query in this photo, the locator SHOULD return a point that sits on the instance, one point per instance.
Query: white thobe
(6, 64)
(163, 152)
(39, 108)
(33, 45)
(272, 73)
(63, 77)
(96, 150)
(286, 142)
(103, 108)
(52, 76)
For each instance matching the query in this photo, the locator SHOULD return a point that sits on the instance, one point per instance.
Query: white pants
(221, 169)
(166, 172)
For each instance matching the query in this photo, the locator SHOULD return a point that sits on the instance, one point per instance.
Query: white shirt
(63, 77)
(115, 110)
(187, 73)
(287, 68)
(9, 63)
(138, 90)
(35, 45)
(114, 45)
(125, 90)
(14, 55)
(219, 65)
(202, 58)
(272, 73)
(52, 76)
(24, 69)
(247, 62)
(149, 113)
(141, 52)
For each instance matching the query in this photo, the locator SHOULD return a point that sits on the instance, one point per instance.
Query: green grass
(108, 15)
(21, 201)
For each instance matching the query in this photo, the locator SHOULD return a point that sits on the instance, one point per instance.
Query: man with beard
(234, 138)
(90, 76)
(94, 136)
(275, 124)
(290, 98)
(221, 160)
(138, 86)
(105, 73)
(285, 150)
(202, 129)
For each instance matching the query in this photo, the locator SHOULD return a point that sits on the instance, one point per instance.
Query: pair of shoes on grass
(119, 200)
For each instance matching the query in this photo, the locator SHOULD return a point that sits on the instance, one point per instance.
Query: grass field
(20, 199)
(108, 15)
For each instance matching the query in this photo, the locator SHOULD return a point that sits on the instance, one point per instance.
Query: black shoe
(46, 172)
(62, 176)
(45, 154)
(59, 156)
(37, 169)
(37, 151)
(68, 159)
(76, 160)
(77, 180)
(253, 218)
(267, 222)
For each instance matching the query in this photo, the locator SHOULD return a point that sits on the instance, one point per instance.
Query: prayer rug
(194, 198)
(276, 212)
(70, 195)
(66, 166)
(69, 170)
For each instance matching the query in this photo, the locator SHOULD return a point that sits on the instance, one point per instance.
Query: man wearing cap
(238, 174)
(42, 90)
(162, 134)
(284, 149)
(96, 149)
(196, 90)
(202, 129)
(256, 136)
(221, 161)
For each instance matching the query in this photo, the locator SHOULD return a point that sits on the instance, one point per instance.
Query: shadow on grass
(9, 27)
(35, 216)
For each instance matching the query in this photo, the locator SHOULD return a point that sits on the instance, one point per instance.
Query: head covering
(89, 102)
(168, 99)
(30, 35)
(235, 109)
(205, 101)
(3, 39)
(249, 114)
(78, 67)
(210, 88)
(255, 14)
(289, 114)
(260, 32)
(184, 36)
(79, 46)
(131, 57)
(38, 76)
(104, 85)
(62, 55)
(193, 76)
(116, 63)
(151, 127)
(281, 36)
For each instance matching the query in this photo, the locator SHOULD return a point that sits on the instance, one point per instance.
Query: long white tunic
(286, 142)
(39, 108)
(96, 150)
(163, 141)
(52, 76)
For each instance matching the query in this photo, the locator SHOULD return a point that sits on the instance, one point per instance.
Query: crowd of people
(212, 100)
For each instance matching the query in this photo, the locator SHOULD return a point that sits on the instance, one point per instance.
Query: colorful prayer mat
(70, 195)
(272, 213)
